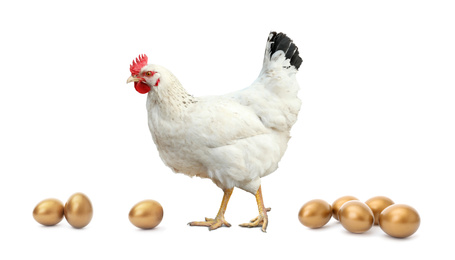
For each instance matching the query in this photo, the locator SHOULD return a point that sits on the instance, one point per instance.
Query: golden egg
(377, 205)
(78, 210)
(48, 212)
(336, 205)
(315, 213)
(399, 220)
(146, 214)
(356, 217)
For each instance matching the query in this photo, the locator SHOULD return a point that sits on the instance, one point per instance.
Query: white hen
(234, 139)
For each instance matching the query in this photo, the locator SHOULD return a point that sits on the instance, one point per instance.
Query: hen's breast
(175, 149)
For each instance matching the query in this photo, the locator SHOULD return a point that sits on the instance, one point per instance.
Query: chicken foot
(262, 219)
(219, 220)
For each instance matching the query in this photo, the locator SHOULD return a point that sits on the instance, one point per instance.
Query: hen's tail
(280, 42)
(274, 93)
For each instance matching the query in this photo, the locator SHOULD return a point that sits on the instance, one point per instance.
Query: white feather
(234, 139)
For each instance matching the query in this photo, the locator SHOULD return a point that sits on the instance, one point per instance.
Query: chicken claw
(262, 219)
(211, 223)
(256, 218)
(219, 219)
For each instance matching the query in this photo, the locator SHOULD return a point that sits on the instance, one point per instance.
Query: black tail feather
(296, 60)
(281, 42)
(291, 51)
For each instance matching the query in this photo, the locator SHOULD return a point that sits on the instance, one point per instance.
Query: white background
(377, 85)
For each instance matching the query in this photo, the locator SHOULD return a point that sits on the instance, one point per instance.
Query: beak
(132, 79)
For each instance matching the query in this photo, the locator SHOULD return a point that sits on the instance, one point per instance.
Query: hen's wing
(218, 121)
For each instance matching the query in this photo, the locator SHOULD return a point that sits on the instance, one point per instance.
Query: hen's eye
(149, 73)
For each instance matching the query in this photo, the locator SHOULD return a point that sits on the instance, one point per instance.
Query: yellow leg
(262, 219)
(219, 219)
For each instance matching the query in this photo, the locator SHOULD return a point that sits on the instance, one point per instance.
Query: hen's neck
(169, 99)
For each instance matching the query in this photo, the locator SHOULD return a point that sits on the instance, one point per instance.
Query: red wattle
(142, 87)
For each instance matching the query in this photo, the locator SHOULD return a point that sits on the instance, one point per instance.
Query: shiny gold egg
(315, 213)
(356, 217)
(78, 210)
(146, 214)
(336, 205)
(377, 205)
(399, 220)
(48, 212)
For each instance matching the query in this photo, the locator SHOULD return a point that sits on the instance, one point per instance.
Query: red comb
(137, 65)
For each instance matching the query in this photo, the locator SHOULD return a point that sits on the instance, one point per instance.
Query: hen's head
(144, 76)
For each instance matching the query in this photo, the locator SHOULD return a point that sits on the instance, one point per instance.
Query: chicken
(233, 139)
